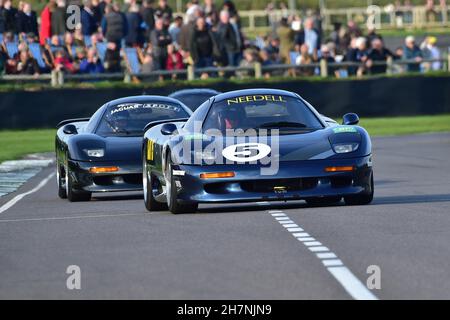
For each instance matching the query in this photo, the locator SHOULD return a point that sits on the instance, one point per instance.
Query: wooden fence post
(190, 72)
(323, 68)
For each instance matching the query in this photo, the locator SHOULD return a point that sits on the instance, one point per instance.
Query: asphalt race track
(246, 251)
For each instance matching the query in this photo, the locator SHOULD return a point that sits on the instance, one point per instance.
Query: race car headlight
(205, 155)
(96, 153)
(345, 147)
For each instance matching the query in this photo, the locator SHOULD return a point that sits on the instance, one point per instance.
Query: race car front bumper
(128, 177)
(295, 180)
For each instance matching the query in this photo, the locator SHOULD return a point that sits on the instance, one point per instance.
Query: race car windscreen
(131, 118)
(289, 115)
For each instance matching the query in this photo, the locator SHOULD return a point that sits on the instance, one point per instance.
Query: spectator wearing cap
(431, 51)
(88, 20)
(9, 14)
(203, 46)
(114, 25)
(27, 20)
(412, 52)
(45, 31)
(135, 36)
(160, 39)
(378, 53)
(59, 18)
(229, 39)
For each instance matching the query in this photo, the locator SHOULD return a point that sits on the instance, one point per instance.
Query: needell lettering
(255, 98)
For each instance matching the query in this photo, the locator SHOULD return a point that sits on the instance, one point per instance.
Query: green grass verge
(16, 144)
(406, 125)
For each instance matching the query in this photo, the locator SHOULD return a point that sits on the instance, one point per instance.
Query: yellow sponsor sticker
(255, 98)
(150, 149)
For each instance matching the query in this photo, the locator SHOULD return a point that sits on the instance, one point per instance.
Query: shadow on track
(117, 197)
(408, 199)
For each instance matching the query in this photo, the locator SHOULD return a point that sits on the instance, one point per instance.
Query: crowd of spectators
(207, 35)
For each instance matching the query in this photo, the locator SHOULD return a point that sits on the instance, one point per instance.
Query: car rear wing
(155, 123)
(64, 122)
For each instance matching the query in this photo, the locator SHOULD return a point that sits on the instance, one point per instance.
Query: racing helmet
(120, 120)
(231, 117)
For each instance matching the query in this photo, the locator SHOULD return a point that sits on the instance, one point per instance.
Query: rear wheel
(361, 199)
(75, 196)
(171, 193)
(323, 201)
(150, 184)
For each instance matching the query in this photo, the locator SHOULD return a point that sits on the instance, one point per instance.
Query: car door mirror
(70, 129)
(168, 129)
(350, 119)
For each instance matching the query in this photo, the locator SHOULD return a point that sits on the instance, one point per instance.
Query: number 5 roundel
(246, 152)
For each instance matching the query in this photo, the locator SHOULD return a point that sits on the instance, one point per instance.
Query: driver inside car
(231, 118)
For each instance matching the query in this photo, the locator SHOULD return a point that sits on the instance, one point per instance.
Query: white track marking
(318, 249)
(278, 215)
(290, 225)
(334, 265)
(19, 197)
(326, 255)
(312, 243)
(350, 283)
(332, 262)
(305, 239)
(301, 235)
(295, 229)
(72, 217)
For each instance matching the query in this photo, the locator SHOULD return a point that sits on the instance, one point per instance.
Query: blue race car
(255, 145)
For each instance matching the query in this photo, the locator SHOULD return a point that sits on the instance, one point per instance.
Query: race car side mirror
(168, 129)
(350, 119)
(70, 129)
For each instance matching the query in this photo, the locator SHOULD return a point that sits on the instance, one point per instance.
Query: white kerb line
(19, 197)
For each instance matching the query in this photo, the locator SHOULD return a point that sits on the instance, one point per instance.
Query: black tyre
(149, 185)
(75, 196)
(59, 183)
(361, 199)
(323, 201)
(171, 193)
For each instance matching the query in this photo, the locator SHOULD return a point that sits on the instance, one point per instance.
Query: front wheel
(171, 193)
(59, 183)
(75, 196)
(361, 199)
